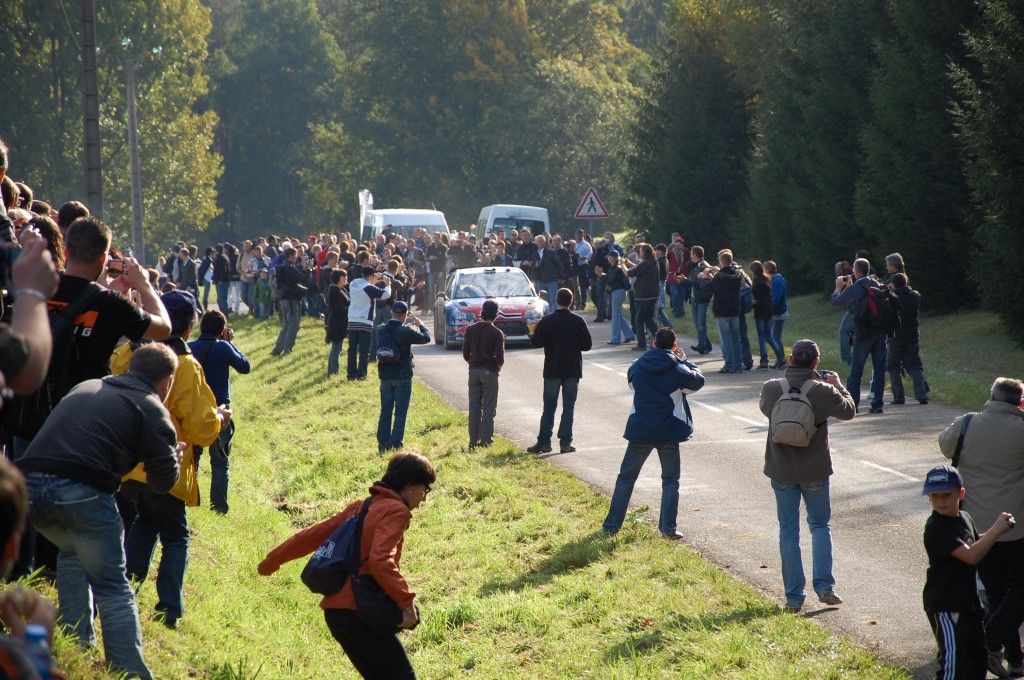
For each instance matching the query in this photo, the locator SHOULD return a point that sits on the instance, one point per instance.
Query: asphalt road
(727, 509)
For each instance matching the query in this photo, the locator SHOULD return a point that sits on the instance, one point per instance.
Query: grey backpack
(792, 419)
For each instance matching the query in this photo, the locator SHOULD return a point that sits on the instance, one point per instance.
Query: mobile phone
(115, 268)
(821, 374)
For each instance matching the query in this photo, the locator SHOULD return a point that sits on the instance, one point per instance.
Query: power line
(68, 22)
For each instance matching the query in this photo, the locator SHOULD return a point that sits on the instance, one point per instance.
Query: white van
(403, 221)
(505, 217)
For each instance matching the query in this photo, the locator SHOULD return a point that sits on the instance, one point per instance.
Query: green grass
(962, 353)
(515, 578)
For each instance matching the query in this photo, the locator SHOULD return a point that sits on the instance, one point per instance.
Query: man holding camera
(396, 377)
(364, 292)
(852, 292)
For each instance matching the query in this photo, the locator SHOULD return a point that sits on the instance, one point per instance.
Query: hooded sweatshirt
(660, 413)
(725, 286)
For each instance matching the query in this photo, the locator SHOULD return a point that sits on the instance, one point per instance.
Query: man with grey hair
(991, 462)
(97, 433)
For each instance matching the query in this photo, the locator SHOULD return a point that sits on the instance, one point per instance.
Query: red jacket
(676, 268)
(380, 552)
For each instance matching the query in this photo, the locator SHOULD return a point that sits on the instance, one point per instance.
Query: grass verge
(515, 578)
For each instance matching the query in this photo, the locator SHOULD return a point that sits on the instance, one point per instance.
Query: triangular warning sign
(591, 206)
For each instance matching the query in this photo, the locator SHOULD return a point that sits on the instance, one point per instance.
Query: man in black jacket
(723, 282)
(546, 270)
(564, 337)
(904, 351)
(292, 284)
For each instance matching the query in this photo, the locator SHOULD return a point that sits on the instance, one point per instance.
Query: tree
(687, 167)
(912, 195)
(41, 110)
(815, 79)
(276, 71)
(989, 120)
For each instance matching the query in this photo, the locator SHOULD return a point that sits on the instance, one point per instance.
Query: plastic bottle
(38, 649)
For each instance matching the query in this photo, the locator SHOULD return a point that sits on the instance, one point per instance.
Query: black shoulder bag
(960, 440)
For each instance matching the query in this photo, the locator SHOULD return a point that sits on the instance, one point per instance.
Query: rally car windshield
(494, 284)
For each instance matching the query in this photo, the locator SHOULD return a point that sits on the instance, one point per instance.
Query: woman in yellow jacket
(405, 485)
(198, 421)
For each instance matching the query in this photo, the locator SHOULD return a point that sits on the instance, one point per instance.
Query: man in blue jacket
(660, 418)
(396, 378)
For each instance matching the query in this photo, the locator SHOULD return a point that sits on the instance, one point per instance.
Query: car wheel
(447, 344)
(438, 338)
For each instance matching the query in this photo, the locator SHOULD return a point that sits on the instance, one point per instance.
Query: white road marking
(889, 470)
(757, 423)
(713, 409)
(623, 375)
(607, 368)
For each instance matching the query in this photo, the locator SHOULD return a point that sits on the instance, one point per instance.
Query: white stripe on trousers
(947, 624)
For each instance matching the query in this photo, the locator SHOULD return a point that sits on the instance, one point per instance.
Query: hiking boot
(830, 598)
(749, 366)
(764, 365)
(639, 348)
(779, 365)
(672, 535)
(539, 448)
(793, 608)
(875, 409)
(922, 401)
(897, 402)
(568, 448)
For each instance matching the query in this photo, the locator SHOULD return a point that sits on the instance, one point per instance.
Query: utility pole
(138, 242)
(130, 64)
(91, 111)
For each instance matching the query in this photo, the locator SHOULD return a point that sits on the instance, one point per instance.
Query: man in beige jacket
(992, 466)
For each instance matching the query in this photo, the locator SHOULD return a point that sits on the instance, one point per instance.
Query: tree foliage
(912, 195)
(816, 74)
(990, 120)
(686, 169)
(41, 113)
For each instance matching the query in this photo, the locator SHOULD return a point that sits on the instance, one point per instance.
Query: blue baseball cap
(177, 301)
(942, 478)
(399, 307)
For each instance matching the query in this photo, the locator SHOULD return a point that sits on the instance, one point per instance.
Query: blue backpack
(337, 558)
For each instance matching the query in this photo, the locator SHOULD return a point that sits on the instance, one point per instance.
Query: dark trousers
(599, 299)
(905, 356)
(374, 655)
(1002, 572)
(568, 388)
(358, 353)
(644, 319)
(961, 640)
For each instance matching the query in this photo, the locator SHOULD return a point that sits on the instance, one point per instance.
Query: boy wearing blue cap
(951, 600)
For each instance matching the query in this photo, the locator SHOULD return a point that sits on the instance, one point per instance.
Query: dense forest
(796, 130)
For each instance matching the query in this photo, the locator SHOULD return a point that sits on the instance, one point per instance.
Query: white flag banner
(365, 203)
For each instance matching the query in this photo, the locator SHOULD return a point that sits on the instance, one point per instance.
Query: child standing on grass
(950, 590)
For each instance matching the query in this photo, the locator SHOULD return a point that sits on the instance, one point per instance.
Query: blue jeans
(568, 388)
(223, 291)
(874, 347)
(777, 325)
(84, 524)
(334, 357)
(621, 332)
(291, 313)
(632, 462)
(662, 316)
(765, 339)
(220, 464)
(819, 514)
(678, 295)
(729, 330)
(552, 288)
(845, 331)
(394, 399)
(247, 289)
(358, 354)
(161, 516)
(206, 294)
(700, 322)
